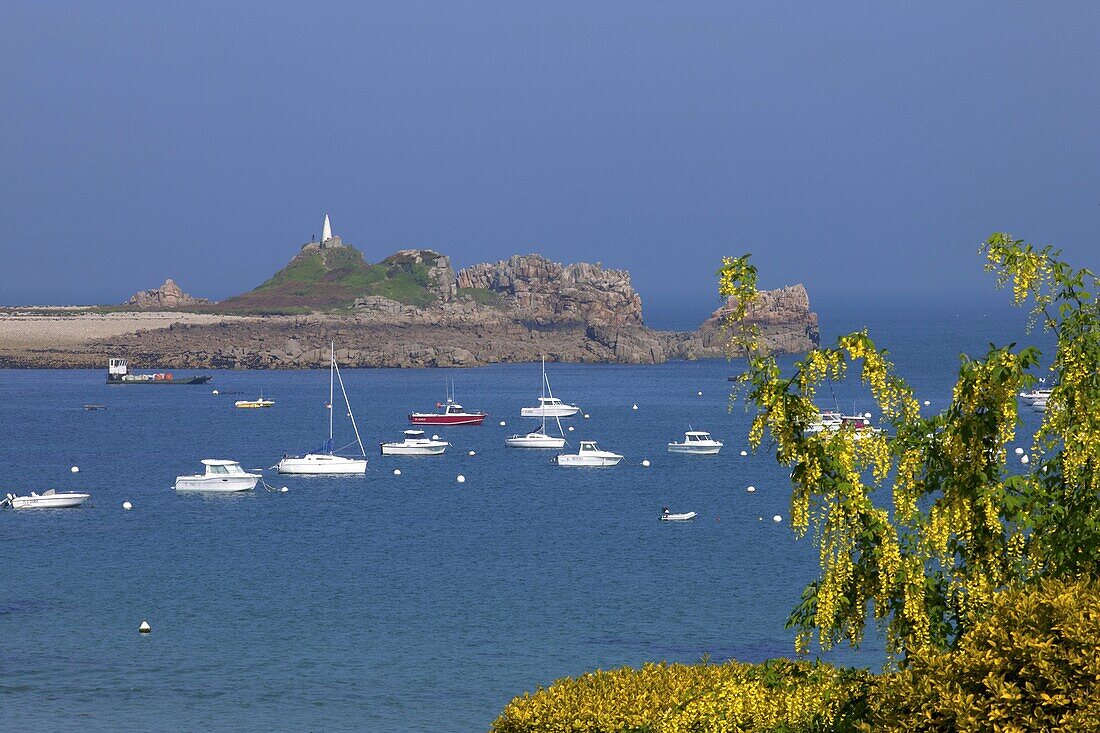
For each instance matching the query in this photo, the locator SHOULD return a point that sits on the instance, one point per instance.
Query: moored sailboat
(325, 460)
(539, 438)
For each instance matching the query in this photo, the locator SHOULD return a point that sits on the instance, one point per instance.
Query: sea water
(397, 603)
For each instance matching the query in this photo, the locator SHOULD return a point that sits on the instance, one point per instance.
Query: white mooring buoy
(646, 463)
(472, 453)
(283, 490)
(744, 453)
(700, 393)
(751, 489)
(397, 472)
(586, 416)
(777, 518)
(75, 469)
(633, 407)
(127, 505)
(145, 628)
(502, 423)
(461, 479)
(570, 428)
(1019, 451)
(927, 403)
(214, 392)
(1025, 460)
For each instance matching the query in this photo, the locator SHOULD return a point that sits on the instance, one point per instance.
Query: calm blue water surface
(392, 603)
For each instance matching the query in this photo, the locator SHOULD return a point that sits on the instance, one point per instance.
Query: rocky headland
(410, 310)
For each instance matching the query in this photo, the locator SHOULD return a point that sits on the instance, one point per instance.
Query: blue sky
(864, 149)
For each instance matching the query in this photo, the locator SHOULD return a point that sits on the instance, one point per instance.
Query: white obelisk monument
(326, 233)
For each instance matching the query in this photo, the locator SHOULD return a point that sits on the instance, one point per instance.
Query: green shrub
(1032, 665)
(779, 695)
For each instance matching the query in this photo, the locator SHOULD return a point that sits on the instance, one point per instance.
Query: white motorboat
(539, 438)
(415, 444)
(667, 516)
(588, 454)
(48, 499)
(325, 461)
(221, 476)
(1036, 396)
(549, 405)
(697, 442)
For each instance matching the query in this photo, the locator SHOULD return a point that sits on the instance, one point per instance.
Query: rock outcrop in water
(169, 295)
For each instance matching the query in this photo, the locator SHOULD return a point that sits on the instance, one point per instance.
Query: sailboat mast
(331, 369)
(543, 401)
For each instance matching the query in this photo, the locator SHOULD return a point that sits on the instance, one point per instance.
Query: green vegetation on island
(981, 575)
(332, 280)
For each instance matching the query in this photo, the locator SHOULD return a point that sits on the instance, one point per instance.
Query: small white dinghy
(697, 442)
(588, 455)
(667, 516)
(48, 499)
(221, 476)
(415, 444)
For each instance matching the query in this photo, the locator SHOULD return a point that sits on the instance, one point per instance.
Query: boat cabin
(696, 436)
(413, 434)
(588, 446)
(222, 468)
(855, 422)
(550, 402)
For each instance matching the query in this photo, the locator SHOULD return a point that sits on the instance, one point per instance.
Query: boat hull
(217, 484)
(54, 501)
(397, 449)
(314, 464)
(530, 441)
(686, 517)
(697, 450)
(559, 411)
(575, 461)
(468, 418)
(161, 382)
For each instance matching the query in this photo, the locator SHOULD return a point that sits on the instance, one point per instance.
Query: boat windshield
(218, 470)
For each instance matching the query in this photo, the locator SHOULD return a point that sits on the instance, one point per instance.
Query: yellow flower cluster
(679, 698)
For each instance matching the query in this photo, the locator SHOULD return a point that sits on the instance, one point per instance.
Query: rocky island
(409, 310)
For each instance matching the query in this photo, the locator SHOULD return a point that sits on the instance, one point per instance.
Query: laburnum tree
(920, 524)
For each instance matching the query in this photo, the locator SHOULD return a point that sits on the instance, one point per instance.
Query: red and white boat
(452, 414)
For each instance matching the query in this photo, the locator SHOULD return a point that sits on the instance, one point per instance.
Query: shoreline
(70, 337)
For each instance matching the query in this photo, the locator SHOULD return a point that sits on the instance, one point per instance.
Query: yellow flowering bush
(779, 695)
(1031, 665)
